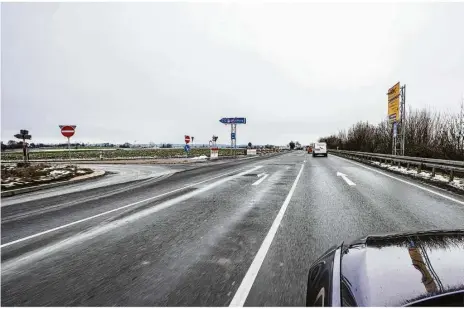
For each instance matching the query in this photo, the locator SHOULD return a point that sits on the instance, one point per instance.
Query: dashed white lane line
(257, 182)
(405, 181)
(247, 282)
(139, 202)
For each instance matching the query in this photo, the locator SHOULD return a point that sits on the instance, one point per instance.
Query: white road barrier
(214, 153)
(251, 152)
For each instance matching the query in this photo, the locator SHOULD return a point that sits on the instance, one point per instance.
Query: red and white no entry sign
(187, 139)
(67, 131)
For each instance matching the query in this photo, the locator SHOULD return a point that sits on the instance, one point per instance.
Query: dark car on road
(410, 269)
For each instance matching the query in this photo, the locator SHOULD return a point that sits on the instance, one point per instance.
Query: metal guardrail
(449, 166)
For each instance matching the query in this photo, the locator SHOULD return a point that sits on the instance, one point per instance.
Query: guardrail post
(419, 168)
(407, 166)
(399, 164)
(451, 176)
(433, 172)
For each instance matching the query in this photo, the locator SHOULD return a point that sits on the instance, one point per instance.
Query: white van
(320, 149)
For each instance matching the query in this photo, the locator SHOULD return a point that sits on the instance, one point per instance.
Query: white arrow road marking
(257, 182)
(345, 178)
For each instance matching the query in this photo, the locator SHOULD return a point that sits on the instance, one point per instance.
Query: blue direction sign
(233, 120)
(232, 135)
(186, 148)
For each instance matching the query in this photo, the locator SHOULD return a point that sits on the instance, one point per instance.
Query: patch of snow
(440, 178)
(457, 182)
(57, 173)
(425, 175)
(203, 157)
(7, 180)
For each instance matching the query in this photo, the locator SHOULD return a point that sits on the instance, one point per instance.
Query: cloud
(156, 71)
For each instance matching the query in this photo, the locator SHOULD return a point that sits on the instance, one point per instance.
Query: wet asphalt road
(189, 239)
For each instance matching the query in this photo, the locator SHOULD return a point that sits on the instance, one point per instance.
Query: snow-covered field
(456, 183)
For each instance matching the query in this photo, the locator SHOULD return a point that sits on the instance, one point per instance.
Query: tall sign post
(24, 135)
(68, 131)
(403, 119)
(397, 117)
(187, 146)
(233, 129)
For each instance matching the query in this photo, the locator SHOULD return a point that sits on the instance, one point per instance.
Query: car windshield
(219, 153)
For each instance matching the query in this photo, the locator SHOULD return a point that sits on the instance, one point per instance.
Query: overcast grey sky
(156, 71)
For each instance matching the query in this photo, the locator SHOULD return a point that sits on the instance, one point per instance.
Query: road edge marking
(405, 181)
(121, 208)
(247, 282)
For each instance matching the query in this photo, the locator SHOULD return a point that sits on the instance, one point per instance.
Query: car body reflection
(396, 270)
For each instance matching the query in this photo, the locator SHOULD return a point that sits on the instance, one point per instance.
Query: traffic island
(23, 178)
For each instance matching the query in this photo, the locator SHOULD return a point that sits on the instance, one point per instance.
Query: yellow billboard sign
(394, 103)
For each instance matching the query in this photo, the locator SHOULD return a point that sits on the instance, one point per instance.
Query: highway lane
(193, 238)
(325, 210)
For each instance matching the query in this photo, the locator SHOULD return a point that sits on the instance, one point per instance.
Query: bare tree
(428, 134)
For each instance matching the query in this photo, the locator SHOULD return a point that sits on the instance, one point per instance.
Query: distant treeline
(428, 134)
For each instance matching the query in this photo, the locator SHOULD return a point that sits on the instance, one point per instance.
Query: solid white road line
(247, 282)
(127, 206)
(405, 181)
(257, 182)
(345, 178)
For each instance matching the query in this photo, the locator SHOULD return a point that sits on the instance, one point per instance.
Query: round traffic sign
(186, 148)
(67, 131)
(187, 139)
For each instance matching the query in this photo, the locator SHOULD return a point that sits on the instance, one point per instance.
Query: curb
(94, 175)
